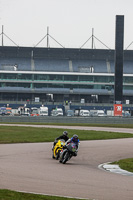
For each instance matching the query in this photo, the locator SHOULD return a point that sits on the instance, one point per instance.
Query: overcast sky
(70, 22)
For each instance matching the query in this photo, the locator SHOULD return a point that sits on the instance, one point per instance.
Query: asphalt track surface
(30, 168)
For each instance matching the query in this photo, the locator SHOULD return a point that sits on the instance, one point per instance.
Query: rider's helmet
(65, 133)
(75, 138)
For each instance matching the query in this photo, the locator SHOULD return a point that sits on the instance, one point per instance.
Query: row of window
(50, 77)
(43, 77)
(50, 85)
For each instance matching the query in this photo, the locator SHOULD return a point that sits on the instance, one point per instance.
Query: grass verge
(12, 195)
(31, 134)
(126, 164)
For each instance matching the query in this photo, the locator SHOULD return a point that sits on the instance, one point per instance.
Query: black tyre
(53, 156)
(65, 158)
(57, 155)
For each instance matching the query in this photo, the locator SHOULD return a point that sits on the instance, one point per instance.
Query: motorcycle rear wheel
(65, 157)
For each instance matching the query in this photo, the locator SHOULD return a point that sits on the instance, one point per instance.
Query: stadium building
(62, 74)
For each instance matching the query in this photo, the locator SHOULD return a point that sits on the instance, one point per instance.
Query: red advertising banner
(117, 109)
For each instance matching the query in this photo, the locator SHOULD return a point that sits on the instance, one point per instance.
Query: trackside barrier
(49, 119)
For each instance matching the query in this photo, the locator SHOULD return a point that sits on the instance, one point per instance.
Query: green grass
(16, 134)
(12, 195)
(126, 164)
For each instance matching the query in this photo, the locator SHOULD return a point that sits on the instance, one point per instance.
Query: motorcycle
(57, 149)
(68, 152)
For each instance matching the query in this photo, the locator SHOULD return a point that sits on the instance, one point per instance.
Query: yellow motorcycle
(57, 149)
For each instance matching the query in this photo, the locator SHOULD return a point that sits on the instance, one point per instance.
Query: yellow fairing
(58, 147)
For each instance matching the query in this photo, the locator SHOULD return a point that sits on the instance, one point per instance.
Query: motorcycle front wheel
(57, 155)
(53, 155)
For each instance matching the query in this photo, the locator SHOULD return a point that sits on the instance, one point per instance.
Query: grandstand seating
(53, 65)
(128, 67)
(90, 66)
(112, 66)
(23, 64)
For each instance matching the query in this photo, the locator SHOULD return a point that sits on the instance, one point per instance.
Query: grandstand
(66, 74)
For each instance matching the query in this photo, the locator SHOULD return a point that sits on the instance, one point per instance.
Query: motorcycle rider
(64, 136)
(75, 140)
